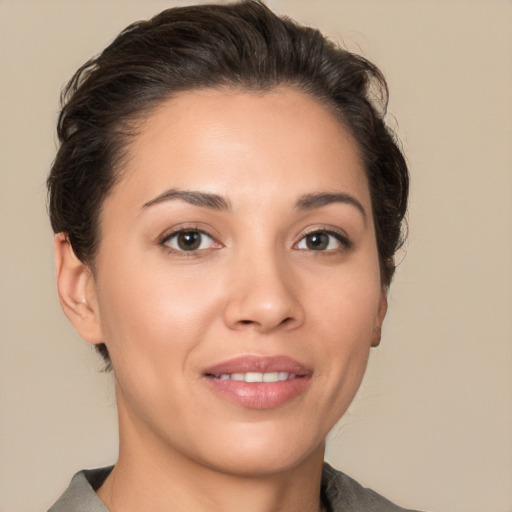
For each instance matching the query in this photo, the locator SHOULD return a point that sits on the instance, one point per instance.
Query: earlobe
(377, 330)
(77, 292)
(381, 314)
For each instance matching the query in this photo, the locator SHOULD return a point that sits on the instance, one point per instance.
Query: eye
(323, 241)
(189, 240)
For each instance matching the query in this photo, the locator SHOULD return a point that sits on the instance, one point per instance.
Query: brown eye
(323, 241)
(189, 240)
(317, 241)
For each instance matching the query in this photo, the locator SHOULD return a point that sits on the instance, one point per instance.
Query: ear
(77, 291)
(381, 314)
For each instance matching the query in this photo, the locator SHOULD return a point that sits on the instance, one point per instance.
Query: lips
(259, 382)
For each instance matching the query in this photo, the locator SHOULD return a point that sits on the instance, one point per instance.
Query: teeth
(257, 376)
(253, 377)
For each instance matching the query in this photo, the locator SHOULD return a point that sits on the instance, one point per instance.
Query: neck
(149, 475)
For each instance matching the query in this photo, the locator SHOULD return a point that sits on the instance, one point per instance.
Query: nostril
(262, 313)
(285, 321)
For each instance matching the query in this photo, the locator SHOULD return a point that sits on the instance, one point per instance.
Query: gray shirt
(340, 493)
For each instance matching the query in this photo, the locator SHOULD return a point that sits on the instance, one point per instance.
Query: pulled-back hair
(239, 45)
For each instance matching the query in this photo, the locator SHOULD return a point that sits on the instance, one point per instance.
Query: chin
(263, 454)
(260, 465)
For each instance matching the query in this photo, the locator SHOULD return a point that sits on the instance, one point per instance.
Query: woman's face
(238, 246)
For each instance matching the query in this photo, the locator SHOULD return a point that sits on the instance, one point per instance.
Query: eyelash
(340, 238)
(165, 242)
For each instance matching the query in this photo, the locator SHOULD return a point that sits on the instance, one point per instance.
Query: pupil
(317, 241)
(189, 240)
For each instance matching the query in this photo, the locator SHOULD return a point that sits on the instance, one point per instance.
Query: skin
(254, 287)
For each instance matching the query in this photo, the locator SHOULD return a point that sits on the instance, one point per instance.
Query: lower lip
(260, 395)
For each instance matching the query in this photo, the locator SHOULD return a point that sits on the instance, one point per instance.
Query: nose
(263, 296)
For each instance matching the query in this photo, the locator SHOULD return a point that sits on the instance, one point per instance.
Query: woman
(227, 202)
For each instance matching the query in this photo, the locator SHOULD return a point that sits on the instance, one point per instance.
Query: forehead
(242, 142)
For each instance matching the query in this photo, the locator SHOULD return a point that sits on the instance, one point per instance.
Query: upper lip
(263, 364)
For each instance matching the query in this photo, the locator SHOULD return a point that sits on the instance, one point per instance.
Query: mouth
(256, 376)
(259, 382)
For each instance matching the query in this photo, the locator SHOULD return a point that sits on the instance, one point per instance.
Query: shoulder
(342, 493)
(80, 496)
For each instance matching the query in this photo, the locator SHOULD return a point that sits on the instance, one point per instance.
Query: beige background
(432, 424)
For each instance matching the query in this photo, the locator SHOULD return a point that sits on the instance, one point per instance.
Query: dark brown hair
(242, 45)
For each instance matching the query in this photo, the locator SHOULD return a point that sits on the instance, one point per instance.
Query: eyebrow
(216, 202)
(312, 201)
(203, 199)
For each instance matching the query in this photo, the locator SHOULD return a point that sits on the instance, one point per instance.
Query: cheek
(152, 311)
(346, 303)
(346, 314)
(154, 324)
(347, 334)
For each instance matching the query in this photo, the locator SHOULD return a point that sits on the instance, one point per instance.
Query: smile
(259, 382)
(257, 376)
